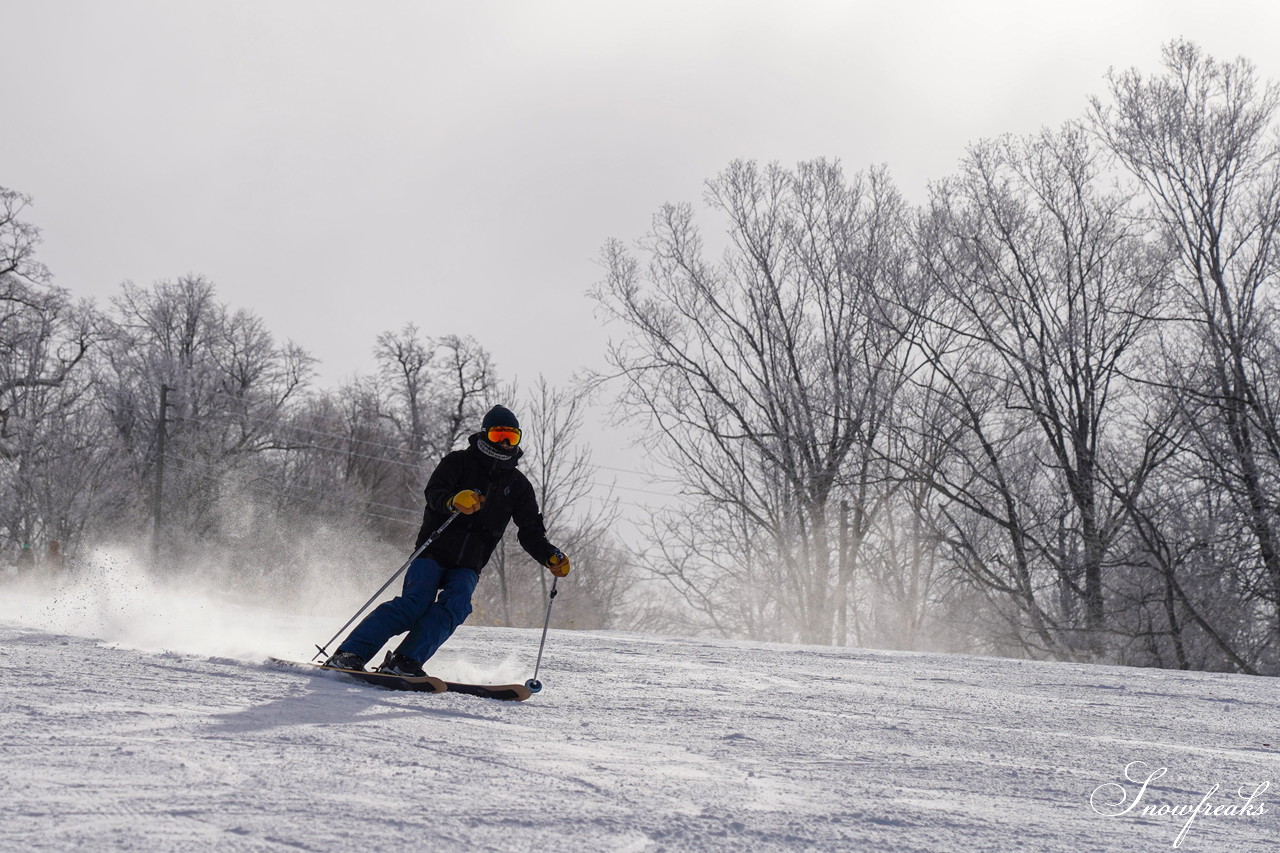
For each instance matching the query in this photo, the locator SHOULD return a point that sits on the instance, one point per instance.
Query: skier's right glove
(466, 501)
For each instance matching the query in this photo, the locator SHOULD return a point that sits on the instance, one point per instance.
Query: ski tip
(508, 692)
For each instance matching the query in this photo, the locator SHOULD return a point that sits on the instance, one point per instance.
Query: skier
(480, 484)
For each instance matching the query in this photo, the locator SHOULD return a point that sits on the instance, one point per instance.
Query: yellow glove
(558, 564)
(466, 501)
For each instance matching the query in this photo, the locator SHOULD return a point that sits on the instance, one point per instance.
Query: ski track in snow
(637, 743)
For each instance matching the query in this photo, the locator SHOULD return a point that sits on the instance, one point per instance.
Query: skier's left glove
(558, 564)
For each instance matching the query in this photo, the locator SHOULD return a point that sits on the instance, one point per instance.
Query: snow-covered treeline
(1031, 415)
(173, 424)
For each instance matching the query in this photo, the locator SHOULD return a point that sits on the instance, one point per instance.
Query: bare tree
(432, 392)
(54, 454)
(229, 385)
(51, 454)
(18, 242)
(1201, 140)
(1045, 285)
(765, 379)
(31, 310)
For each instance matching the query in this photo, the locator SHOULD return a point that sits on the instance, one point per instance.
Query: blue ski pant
(432, 604)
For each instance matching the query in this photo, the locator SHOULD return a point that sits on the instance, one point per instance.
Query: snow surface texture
(134, 718)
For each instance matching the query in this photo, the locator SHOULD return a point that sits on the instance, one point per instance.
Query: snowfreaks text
(1112, 800)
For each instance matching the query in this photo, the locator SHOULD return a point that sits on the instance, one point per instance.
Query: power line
(413, 465)
(411, 516)
(294, 489)
(210, 464)
(351, 453)
(417, 467)
(367, 443)
(292, 492)
(277, 424)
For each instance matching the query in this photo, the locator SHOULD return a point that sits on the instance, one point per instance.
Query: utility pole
(842, 578)
(157, 491)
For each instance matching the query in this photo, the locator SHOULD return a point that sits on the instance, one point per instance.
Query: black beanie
(500, 416)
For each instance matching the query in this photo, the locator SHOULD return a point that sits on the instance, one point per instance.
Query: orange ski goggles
(499, 434)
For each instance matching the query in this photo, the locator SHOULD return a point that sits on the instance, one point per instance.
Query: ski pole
(324, 650)
(533, 683)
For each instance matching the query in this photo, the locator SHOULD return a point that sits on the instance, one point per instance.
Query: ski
(420, 684)
(423, 684)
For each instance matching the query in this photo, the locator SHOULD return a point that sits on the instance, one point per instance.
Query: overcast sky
(342, 168)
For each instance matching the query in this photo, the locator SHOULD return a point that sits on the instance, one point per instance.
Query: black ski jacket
(469, 540)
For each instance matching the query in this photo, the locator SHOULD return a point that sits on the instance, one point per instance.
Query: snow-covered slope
(110, 742)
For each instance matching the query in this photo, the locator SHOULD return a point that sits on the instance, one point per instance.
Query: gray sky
(342, 168)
